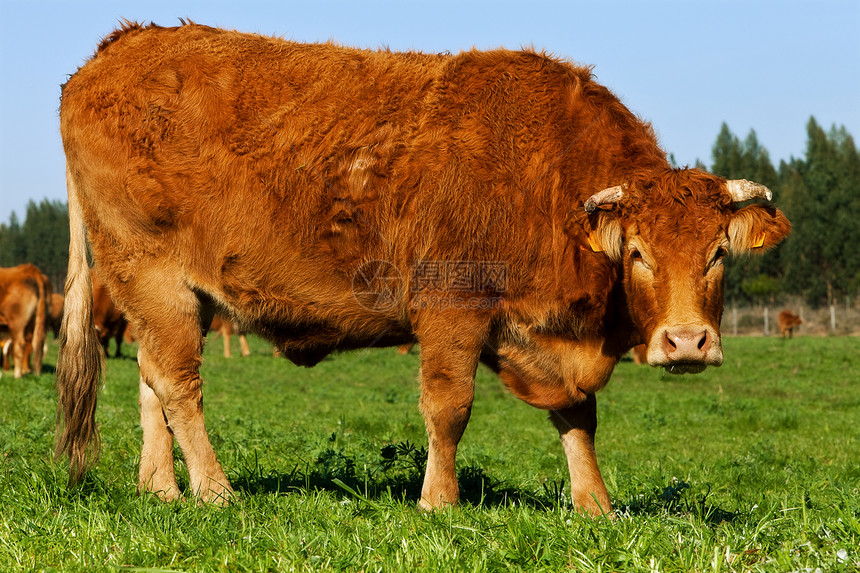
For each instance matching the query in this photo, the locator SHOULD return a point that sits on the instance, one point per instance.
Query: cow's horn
(610, 195)
(743, 190)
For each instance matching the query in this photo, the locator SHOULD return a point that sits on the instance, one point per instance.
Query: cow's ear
(598, 232)
(756, 228)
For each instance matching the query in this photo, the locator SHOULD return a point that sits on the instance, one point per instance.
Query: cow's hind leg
(7, 349)
(156, 456)
(576, 427)
(118, 338)
(243, 344)
(20, 355)
(171, 346)
(225, 334)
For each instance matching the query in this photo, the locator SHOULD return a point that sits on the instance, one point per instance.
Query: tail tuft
(80, 362)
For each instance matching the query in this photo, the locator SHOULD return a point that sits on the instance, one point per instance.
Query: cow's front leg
(448, 363)
(576, 427)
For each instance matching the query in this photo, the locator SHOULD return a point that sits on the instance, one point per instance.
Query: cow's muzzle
(685, 349)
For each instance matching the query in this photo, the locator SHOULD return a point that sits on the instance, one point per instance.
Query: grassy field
(754, 466)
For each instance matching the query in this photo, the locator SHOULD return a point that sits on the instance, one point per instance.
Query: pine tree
(726, 153)
(748, 160)
(12, 249)
(46, 239)
(43, 239)
(823, 202)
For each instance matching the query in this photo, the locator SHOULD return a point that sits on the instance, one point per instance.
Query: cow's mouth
(685, 368)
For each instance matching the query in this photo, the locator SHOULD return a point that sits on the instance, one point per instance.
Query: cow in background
(55, 314)
(225, 328)
(110, 323)
(498, 207)
(24, 294)
(639, 354)
(788, 321)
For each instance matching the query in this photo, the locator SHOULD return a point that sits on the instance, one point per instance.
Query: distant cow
(494, 206)
(640, 354)
(109, 322)
(787, 322)
(226, 328)
(55, 314)
(24, 294)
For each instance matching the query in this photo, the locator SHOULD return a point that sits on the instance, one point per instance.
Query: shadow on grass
(678, 499)
(398, 474)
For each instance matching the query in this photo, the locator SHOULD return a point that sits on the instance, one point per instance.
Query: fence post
(766, 323)
(833, 318)
(802, 321)
(734, 320)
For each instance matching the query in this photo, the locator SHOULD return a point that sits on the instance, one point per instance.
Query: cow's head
(671, 233)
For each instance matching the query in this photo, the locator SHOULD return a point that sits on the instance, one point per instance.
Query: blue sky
(686, 67)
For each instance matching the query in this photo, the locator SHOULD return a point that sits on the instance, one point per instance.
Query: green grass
(752, 466)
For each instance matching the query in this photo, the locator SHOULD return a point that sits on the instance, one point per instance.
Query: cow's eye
(718, 258)
(636, 256)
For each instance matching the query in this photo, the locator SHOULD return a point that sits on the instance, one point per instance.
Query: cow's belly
(308, 343)
(292, 288)
(307, 328)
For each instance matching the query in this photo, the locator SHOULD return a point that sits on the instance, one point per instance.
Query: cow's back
(253, 161)
(197, 113)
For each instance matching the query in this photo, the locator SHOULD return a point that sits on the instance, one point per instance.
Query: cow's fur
(24, 295)
(333, 198)
(788, 321)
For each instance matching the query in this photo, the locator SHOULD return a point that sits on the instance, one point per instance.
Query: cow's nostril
(686, 343)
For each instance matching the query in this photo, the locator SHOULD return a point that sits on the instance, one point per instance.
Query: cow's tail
(80, 362)
(39, 332)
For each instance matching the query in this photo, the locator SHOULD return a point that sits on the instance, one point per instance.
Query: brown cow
(492, 206)
(24, 294)
(787, 322)
(55, 314)
(226, 328)
(110, 323)
(640, 354)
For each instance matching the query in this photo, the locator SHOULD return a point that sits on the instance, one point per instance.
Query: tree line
(42, 239)
(820, 194)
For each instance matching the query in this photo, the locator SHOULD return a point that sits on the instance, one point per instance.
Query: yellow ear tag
(592, 242)
(759, 242)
